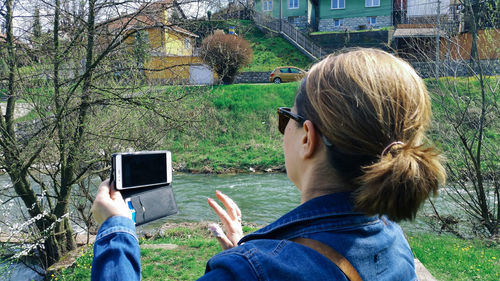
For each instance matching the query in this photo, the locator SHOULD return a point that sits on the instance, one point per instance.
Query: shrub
(226, 54)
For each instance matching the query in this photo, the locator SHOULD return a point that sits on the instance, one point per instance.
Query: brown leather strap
(332, 255)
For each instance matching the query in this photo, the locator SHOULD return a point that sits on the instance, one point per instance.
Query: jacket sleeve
(116, 251)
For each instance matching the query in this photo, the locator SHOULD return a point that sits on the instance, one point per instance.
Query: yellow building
(170, 47)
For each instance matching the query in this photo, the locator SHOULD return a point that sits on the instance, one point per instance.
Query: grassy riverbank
(237, 132)
(447, 258)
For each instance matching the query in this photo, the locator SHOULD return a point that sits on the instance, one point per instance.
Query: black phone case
(151, 203)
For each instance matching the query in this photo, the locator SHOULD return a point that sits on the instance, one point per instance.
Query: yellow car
(286, 74)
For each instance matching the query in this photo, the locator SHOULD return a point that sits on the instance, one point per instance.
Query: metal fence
(291, 33)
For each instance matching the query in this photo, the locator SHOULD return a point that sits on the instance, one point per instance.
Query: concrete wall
(353, 23)
(252, 77)
(299, 22)
(454, 68)
(334, 41)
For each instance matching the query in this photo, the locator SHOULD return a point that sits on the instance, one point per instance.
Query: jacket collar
(335, 210)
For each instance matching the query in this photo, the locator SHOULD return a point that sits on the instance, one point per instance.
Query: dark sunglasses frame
(284, 115)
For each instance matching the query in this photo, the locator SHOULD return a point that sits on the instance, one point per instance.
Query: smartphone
(141, 169)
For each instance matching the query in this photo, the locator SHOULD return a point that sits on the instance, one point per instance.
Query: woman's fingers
(108, 202)
(232, 209)
(221, 213)
(230, 218)
(224, 242)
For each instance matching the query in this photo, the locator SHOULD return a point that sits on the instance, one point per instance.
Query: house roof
(182, 30)
(148, 17)
(417, 32)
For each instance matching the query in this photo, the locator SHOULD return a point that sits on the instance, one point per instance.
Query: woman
(355, 147)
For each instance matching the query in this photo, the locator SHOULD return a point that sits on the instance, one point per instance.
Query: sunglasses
(284, 115)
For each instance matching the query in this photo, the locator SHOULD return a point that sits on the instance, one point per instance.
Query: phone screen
(143, 169)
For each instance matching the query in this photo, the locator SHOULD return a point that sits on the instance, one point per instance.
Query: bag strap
(343, 264)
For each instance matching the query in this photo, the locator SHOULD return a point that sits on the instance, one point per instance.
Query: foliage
(451, 258)
(468, 134)
(140, 49)
(226, 54)
(37, 26)
(80, 115)
(465, 103)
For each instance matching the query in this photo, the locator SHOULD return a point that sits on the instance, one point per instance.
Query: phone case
(151, 203)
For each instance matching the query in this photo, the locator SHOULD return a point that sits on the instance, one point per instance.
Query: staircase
(290, 33)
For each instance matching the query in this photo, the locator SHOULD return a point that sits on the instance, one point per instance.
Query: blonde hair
(363, 101)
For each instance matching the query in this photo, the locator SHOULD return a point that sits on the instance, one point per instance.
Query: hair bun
(400, 182)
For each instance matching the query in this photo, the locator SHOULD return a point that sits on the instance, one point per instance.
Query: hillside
(238, 130)
(269, 50)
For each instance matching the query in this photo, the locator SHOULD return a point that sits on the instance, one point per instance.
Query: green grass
(446, 257)
(187, 262)
(456, 98)
(238, 131)
(450, 258)
(270, 50)
(80, 269)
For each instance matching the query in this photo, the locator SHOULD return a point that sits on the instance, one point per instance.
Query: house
(428, 31)
(330, 15)
(170, 48)
(421, 24)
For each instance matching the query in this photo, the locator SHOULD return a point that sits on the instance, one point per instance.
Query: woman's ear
(310, 140)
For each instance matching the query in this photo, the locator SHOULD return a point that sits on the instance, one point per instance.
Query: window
(187, 43)
(338, 4)
(285, 70)
(338, 22)
(293, 4)
(372, 3)
(267, 5)
(372, 20)
(294, 70)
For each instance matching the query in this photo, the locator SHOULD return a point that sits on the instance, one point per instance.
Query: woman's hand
(109, 202)
(230, 218)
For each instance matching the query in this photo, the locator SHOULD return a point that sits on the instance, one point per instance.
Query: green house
(330, 15)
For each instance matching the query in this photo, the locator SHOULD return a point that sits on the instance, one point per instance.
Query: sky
(24, 11)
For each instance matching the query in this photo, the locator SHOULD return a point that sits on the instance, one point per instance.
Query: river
(262, 199)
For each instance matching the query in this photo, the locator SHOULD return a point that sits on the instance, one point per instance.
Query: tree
(37, 26)
(467, 117)
(140, 48)
(80, 116)
(226, 54)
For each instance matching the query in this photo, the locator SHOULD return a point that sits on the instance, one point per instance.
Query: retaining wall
(455, 68)
(368, 39)
(252, 77)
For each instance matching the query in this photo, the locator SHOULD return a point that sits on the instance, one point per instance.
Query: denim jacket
(375, 246)
(116, 251)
